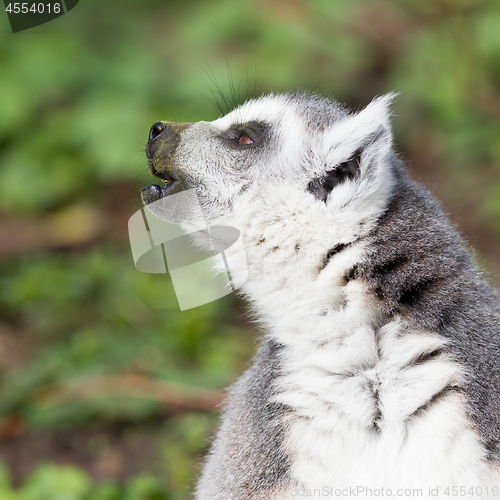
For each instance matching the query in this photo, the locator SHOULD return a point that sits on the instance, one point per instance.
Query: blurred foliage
(77, 98)
(49, 482)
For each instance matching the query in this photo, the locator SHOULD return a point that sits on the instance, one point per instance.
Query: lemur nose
(156, 130)
(164, 136)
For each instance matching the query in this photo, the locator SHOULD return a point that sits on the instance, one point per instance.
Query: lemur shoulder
(380, 362)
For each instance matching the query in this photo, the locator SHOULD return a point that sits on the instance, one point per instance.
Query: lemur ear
(353, 146)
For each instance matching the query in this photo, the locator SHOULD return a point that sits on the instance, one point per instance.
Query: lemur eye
(244, 139)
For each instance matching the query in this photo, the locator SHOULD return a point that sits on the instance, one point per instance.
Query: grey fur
(247, 458)
(317, 111)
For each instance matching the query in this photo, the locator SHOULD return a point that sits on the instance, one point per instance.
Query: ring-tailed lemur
(379, 372)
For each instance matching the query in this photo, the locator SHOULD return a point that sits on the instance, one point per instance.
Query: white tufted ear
(360, 130)
(353, 147)
(374, 117)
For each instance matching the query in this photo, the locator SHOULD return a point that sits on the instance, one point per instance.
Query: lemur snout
(164, 137)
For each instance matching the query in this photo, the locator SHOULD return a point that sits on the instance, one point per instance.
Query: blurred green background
(107, 390)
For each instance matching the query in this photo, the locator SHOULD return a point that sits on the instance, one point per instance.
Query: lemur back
(379, 368)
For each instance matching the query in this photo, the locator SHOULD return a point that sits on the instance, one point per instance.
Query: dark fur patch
(258, 132)
(424, 357)
(350, 275)
(413, 293)
(393, 264)
(434, 400)
(335, 250)
(378, 411)
(321, 187)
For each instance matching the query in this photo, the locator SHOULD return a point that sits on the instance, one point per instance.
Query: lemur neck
(300, 274)
(301, 254)
(304, 286)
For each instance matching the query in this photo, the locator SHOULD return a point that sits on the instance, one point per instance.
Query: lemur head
(279, 155)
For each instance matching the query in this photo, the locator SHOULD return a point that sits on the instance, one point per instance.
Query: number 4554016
(25, 8)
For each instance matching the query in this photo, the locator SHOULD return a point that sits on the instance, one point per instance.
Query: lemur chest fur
(369, 402)
(368, 395)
